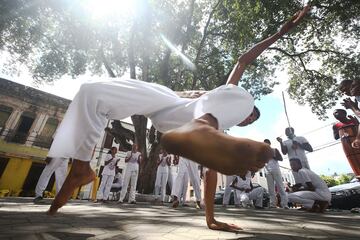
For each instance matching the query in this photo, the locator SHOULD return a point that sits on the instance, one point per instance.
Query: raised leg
(199, 141)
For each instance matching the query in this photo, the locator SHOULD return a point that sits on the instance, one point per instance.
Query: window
(45, 138)
(22, 131)
(5, 113)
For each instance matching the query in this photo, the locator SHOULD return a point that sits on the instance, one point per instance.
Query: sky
(271, 124)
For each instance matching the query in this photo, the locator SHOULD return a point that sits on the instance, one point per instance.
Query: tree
(330, 181)
(319, 53)
(344, 178)
(58, 37)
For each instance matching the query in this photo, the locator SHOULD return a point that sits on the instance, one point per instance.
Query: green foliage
(344, 179)
(330, 181)
(60, 37)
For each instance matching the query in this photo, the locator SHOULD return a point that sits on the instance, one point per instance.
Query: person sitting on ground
(190, 126)
(118, 180)
(246, 191)
(312, 193)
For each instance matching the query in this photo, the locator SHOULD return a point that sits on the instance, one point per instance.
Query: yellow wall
(15, 174)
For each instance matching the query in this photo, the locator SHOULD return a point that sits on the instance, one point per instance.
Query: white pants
(193, 171)
(228, 189)
(87, 115)
(131, 176)
(105, 187)
(274, 178)
(162, 175)
(57, 165)
(172, 176)
(255, 194)
(307, 198)
(180, 185)
(304, 164)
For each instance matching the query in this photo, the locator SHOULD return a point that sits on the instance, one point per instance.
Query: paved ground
(21, 219)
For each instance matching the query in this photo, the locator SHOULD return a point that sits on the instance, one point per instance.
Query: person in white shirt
(118, 180)
(312, 192)
(132, 161)
(247, 193)
(274, 178)
(191, 168)
(108, 175)
(228, 190)
(181, 182)
(295, 147)
(162, 174)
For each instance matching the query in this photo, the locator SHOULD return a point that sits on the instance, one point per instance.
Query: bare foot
(80, 174)
(221, 226)
(175, 202)
(200, 142)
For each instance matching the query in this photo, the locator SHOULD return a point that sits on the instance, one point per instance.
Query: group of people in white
(183, 168)
(309, 191)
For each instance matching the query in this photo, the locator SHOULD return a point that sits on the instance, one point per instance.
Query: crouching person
(312, 193)
(247, 193)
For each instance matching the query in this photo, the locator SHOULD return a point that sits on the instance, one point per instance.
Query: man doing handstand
(190, 126)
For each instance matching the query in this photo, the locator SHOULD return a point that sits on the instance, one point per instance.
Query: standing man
(180, 185)
(191, 168)
(162, 174)
(295, 147)
(132, 161)
(57, 165)
(312, 192)
(274, 178)
(108, 175)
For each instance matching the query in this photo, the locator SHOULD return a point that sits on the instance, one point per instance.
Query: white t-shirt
(296, 153)
(118, 179)
(134, 156)
(273, 164)
(241, 183)
(110, 168)
(163, 159)
(306, 175)
(229, 104)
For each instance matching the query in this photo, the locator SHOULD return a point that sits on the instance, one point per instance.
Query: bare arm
(284, 149)
(249, 56)
(336, 133)
(128, 158)
(306, 146)
(209, 193)
(278, 156)
(353, 105)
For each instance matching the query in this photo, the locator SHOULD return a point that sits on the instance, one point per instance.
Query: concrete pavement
(80, 219)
